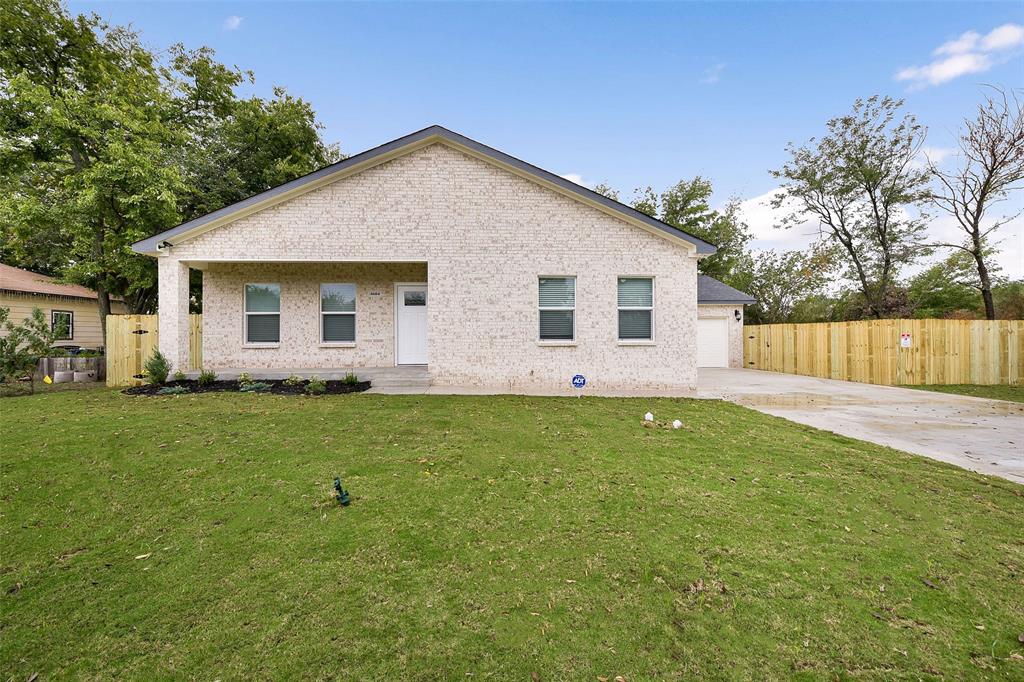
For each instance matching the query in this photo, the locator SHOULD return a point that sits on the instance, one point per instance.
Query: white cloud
(232, 23)
(577, 178)
(763, 221)
(933, 155)
(712, 74)
(965, 43)
(944, 70)
(967, 54)
(937, 154)
(1006, 37)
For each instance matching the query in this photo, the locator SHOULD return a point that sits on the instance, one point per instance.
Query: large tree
(991, 164)
(687, 206)
(87, 142)
(103, 144)
(863, 186)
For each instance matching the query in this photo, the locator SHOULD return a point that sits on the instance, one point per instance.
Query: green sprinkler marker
(342, 494)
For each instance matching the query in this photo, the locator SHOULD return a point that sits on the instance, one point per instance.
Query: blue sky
(630, 94)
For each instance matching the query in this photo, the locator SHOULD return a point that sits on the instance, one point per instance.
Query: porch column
(173, 311)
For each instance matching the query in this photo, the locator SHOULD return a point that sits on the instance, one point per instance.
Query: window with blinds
(557, 308)
(262, 313)
(338, 313)
(636, 309)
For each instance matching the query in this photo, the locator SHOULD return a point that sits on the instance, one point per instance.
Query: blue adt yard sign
(579, 381)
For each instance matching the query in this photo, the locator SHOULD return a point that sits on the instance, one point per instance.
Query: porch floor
(405, 379)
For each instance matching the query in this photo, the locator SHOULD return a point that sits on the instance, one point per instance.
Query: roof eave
(398, 147)
(732, 302)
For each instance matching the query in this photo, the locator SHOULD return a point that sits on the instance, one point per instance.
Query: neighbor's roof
(395, 148)
(710, 290)
(16, 279)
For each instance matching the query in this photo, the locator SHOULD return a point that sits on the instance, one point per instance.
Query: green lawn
(997, 392)
(489, 538)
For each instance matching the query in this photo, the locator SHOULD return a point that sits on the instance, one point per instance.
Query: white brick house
(436, 250)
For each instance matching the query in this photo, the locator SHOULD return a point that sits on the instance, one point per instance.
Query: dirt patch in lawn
(276, 386)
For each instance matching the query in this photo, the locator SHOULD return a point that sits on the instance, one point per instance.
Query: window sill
(338, 344)
(639, 342)
(556, 343)
(261, 345)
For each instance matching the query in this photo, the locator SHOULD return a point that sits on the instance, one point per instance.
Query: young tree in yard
(858, 182)
(991, 165)
(780, 280)
(21, 345)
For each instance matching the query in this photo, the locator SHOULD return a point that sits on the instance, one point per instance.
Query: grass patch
(197, 536)
(996, 392)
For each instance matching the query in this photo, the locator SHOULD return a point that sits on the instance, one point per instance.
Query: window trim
(246, 343)
(71, 324)
(618, 327)
(572, 308)
(355, 319)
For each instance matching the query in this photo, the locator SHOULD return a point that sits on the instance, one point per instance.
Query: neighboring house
(436, 250)
(21, 291)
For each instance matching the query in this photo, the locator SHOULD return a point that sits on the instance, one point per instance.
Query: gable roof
(710, 290)
(396, 148)
(28, 282)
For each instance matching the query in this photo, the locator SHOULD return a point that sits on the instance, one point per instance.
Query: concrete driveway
(982, 435)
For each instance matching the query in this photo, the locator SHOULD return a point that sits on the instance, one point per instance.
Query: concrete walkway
(982, 435)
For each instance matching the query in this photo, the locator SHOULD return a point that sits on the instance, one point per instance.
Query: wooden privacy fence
(131, 339)
(892, 352)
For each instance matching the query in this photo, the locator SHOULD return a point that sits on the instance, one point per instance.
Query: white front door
(411, 324)
(713, 342)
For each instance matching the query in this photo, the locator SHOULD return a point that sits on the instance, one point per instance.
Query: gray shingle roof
(710, 290)
(150, 245)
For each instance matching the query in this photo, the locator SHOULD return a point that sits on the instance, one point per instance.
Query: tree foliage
(946, 289)
(781, 280)
(687, 206)
(858, 182)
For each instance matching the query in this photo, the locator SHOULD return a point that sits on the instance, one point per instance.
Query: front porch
(273, 319)
(406, 379)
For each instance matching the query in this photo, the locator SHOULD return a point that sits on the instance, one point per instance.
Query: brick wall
(485, 236)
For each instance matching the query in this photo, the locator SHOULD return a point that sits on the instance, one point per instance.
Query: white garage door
(713, 342)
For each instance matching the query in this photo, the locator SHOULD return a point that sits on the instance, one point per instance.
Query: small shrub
(157, 367)
(316, 386)
(294, 380)
(254, 387)
(22, 344)
(245, 378)
(350, 379)
(179, 376)
(206, 377)
(172, 390)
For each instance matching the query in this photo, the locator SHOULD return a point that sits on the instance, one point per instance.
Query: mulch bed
(277, 386)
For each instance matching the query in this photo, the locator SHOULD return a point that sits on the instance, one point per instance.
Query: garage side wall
(735, 328)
